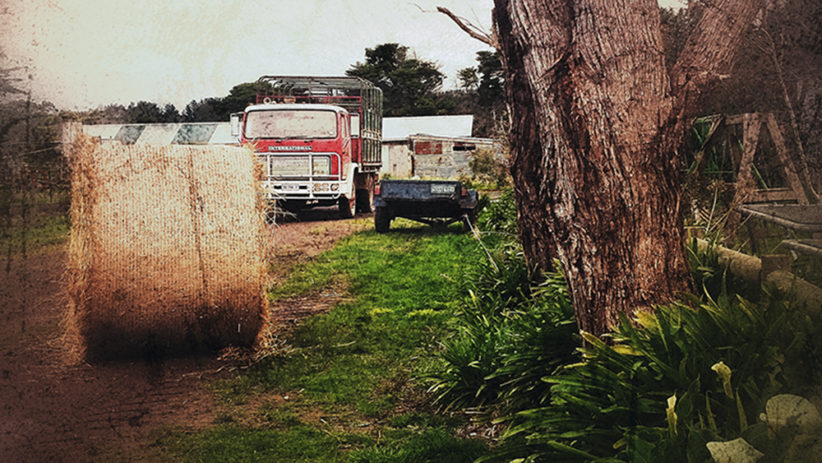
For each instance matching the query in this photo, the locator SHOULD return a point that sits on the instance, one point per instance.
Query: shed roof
(187, 133)
(400, 128)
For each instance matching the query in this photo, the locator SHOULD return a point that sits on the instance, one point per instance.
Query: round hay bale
(167, 248)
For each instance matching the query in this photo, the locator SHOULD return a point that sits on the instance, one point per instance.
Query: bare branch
(469, 28)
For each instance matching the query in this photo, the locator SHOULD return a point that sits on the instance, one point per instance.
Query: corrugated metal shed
(104, 131)
(194, 133)
(158, 134)
(222, 135)
(400, 128)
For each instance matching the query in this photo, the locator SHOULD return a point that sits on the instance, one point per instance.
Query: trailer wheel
(348, 207)
(365, 199)
(382, 219)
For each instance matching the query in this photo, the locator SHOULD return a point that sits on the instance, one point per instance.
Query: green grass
(32, 220)
(45, 232)
(350, 374)
(232, 443)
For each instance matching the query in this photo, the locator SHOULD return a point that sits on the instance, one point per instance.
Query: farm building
(190, 133)
(430, 146)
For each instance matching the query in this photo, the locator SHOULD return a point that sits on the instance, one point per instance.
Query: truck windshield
(291, 124)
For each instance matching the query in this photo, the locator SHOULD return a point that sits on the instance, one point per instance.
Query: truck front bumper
(306, 190)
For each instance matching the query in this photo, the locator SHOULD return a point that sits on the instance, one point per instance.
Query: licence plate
(289, 187)
(441, 189)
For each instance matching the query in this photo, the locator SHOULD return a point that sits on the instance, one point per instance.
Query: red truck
(318, 138)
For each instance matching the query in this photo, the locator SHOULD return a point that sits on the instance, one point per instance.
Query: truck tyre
(293, 207)
(365, 199)
(348, 207)
(382, 219)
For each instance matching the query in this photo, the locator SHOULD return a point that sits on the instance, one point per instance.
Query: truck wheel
(348, 207)
(293, 206)
(365, 199)
(382, 219)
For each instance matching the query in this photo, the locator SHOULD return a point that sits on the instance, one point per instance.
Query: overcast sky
(86, 53)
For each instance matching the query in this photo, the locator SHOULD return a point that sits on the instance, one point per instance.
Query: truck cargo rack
(355, 95)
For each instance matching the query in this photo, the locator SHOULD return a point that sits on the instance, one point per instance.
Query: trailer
(433, 202)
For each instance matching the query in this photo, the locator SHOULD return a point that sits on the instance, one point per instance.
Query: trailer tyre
(348, 207)
(365, 200)
(382, 219)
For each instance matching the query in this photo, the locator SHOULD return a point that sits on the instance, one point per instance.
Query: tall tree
(491, 78)
(205, 110)
(596, 119)
(468, 79)
(409, 85)
(238, 98)
(483, 85)
(144, 112)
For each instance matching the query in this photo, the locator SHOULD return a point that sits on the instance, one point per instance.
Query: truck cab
(318, 141)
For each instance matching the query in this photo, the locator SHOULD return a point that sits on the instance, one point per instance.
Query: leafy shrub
(658, 388)
(489, 168)
(514, 327)
(714, 366)
(500, 285)
(500, 216)
(504, 346)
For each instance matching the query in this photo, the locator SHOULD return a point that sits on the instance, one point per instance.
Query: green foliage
(474, 352)
(409, 85)
(515, 327)
(468, 79)
(489, 168)
(483, 84)
(613, 402)
(144, 112)
(215, 109)
(658, 388)
(491, 78)
(500, 216)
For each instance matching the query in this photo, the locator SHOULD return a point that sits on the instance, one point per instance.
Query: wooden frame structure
(745, 190)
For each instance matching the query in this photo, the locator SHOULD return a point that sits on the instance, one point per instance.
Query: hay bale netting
(167, 252)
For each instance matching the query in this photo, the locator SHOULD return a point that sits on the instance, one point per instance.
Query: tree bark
(595, 126)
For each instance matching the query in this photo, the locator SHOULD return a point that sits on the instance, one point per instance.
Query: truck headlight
(322, 166)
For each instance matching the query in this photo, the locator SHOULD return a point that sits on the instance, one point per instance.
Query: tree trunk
(595, 125)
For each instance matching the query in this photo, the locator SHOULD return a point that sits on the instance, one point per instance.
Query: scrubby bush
(658, 388)
(500, 217)
(489, 168)
(515, 324)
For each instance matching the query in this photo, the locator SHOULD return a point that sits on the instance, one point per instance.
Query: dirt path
(56, 408)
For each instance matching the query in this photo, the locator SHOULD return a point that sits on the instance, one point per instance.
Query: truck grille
(296, 166)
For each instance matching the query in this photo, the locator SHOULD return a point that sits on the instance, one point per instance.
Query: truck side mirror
(235, 124)
(355, 125)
